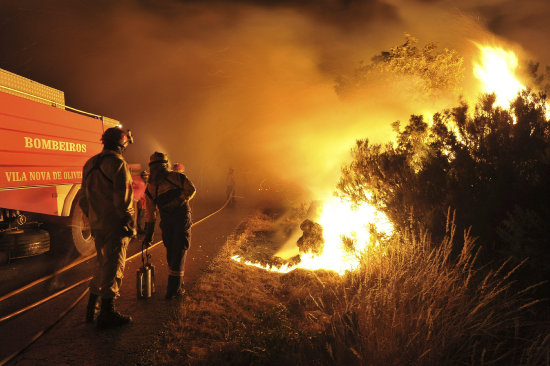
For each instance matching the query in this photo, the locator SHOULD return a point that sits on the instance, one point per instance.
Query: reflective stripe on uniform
(175, 273)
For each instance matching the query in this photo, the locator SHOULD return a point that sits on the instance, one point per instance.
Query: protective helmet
(178, 167)
(144, 174)
(158, 158)
(115, 136)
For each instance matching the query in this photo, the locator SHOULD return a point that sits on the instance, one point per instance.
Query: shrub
(489, 165)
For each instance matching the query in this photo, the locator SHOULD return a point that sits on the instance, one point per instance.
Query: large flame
(340, 219)
(496, 71)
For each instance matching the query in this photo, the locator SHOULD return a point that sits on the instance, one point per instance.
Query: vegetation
(492, 166)
(428, 71)
(409, 304)
(539, 77)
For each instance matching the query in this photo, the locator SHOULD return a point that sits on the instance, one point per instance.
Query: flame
(497, 73)
(339, 219)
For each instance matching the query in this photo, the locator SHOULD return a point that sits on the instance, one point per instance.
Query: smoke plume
(247, 84)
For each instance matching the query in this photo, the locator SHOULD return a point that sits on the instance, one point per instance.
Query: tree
(429, 70)
(539, 77)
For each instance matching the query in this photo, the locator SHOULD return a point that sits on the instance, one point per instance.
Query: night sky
(248, 84)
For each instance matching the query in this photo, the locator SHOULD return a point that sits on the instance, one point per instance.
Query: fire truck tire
(4, 257)
(20, 244)
(80, 232)
(7, 241)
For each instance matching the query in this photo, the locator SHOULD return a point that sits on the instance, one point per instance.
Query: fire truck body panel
(43, 147)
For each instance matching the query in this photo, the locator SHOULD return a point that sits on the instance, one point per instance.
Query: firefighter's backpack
(170, 200)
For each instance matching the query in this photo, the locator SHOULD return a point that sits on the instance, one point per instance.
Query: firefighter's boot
(174, 288)
(109, 317)
(92, 308)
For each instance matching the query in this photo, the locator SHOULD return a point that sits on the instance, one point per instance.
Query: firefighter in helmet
(107, 200)
(170, 192)
(139, 191)
(230, 187)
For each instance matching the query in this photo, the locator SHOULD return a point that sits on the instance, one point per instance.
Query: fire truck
(43, 147)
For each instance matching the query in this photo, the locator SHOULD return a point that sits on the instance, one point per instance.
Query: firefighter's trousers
(176, 235)
(111, 255)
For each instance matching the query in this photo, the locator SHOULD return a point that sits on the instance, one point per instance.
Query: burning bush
(491, 165)
(312, 240)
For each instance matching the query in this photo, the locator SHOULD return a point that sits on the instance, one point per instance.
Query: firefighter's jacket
(108, 194)
(169, 193)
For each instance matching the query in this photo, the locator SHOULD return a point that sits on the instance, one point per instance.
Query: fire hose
(80, 297)
(44, 331)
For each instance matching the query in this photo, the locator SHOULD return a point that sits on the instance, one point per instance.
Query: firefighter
(145, 176)
(230, 186)
(139, 191)
(107, 200)
(170, 192)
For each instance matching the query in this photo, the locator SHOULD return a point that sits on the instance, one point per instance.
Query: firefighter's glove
(128, 227)
(149, 230)
(128, 231)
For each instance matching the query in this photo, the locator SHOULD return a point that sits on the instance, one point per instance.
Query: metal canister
(145, 281)
(152, 278)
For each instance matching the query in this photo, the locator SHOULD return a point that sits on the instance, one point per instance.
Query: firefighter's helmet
(178, 167)
(115, 136)
(158, 158)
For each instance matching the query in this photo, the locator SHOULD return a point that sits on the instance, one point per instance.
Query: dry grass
(409, 304)
(412, 305)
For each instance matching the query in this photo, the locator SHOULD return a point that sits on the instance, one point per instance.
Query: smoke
(247, 84)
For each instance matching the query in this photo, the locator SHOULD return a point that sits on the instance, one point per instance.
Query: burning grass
(408, 304)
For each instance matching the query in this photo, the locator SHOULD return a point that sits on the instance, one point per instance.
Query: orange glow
(496, 71)
(339, 219)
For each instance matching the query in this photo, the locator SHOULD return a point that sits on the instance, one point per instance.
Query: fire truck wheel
(20, 244)
(81, 233)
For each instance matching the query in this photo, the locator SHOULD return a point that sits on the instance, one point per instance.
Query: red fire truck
(43, 147)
